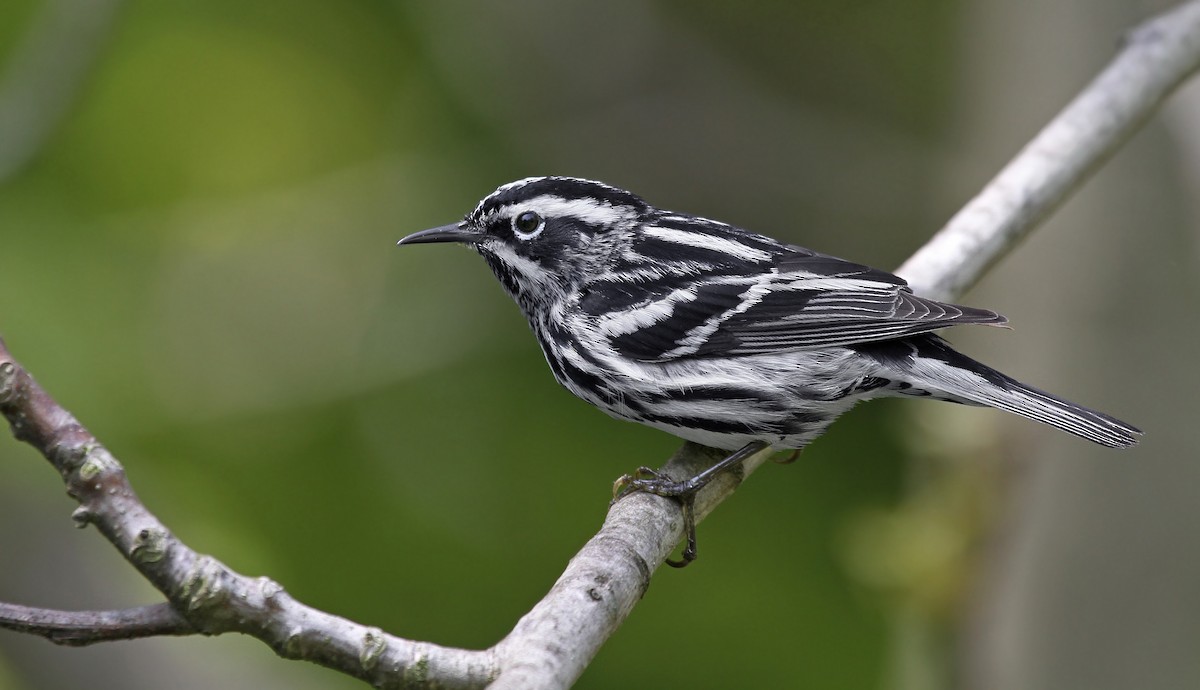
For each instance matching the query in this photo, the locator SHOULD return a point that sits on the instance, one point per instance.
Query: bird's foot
(646, 480)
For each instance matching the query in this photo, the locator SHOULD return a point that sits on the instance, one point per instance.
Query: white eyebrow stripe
(707, 241)
(589, 210)
(592, 211)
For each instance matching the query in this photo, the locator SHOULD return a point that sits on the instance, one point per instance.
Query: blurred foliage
(199, 264)
(889, 60)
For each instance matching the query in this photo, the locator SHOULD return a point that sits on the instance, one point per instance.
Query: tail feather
(1084, 422)
(932, 365)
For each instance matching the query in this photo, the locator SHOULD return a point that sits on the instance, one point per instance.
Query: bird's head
(544, 236)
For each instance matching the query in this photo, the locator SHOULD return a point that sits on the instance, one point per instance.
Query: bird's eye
(527, 224)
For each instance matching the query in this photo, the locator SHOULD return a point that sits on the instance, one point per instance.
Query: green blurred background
(198, 207)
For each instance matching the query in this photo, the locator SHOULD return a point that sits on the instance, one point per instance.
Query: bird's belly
(786, 401)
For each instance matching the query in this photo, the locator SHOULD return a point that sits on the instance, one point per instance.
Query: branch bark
(552, 644)
(1158, 56)
(79, 628)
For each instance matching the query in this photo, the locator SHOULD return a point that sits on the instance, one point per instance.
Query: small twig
(79, 628)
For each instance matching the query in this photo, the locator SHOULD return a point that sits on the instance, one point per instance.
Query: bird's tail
(932, 367)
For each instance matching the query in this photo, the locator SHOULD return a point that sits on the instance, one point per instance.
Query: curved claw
(789, 459)
(689, 526)
(637, 482)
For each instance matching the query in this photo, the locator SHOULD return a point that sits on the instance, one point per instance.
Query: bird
(722, 336)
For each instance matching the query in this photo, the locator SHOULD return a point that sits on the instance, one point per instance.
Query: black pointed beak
(455, 232)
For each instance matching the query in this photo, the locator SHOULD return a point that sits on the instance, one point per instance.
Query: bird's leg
(649, 481)
(646, 480)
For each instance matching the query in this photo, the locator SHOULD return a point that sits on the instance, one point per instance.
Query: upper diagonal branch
(1157, 57)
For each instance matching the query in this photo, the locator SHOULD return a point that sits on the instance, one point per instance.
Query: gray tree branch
(552, 644)
(79, 628)
(1158, 56)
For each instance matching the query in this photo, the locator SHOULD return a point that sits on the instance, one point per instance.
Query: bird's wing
(797, 300)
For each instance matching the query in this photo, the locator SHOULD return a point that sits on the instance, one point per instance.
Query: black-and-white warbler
(721, 336)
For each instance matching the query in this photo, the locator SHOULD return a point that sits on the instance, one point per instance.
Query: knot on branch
(374, 644)
(8, 382)
(150, 545)
(269, 590)
(90, 464)
(204, 588)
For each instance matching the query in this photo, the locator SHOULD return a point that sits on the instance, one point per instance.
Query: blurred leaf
(226, 99)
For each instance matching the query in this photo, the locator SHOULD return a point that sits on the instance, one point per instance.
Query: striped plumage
(719, 335)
